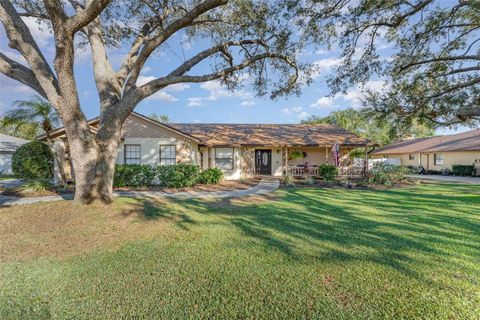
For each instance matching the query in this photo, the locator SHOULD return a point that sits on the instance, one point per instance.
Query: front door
(263, 161)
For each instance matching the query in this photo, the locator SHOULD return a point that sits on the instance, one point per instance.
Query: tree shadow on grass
(401, 229)
(155, 208)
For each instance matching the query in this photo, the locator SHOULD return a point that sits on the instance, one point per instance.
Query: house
(8, 145)
(435, 153)
(239, 150)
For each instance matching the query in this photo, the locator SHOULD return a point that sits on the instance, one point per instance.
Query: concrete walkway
(10, 183)
(264, 186)
(453, 179)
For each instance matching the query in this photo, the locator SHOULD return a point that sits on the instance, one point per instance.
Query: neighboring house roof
(10, 143)
(465, 141)
(271, 134)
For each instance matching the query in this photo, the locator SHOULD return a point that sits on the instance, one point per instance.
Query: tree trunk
(94, 168)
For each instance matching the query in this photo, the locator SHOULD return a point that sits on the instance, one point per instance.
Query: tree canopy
(433, 66)
(367, 124)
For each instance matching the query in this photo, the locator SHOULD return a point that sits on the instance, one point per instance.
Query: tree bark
(94, 167)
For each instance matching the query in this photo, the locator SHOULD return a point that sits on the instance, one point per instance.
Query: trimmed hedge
(178, 175)
(171, 176)
(33, 160)
(210, 176)
(328, 172)
(463, 170)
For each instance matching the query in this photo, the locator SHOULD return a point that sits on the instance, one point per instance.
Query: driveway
(453, 179)
(10, 183)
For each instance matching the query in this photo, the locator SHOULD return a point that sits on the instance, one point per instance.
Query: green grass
(305, 253)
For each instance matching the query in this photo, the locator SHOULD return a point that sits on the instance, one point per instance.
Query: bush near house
(328, 172)
(33, 160)
(178, 175)
(210, 176)
(386, 174)
(170, 176)
(463, 170)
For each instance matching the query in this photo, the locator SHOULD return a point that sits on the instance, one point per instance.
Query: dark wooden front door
(263, 161)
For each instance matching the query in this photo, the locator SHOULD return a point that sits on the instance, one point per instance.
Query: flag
(336, 154)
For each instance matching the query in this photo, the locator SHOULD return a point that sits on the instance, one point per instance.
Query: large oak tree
(433, 62)
(244, 37)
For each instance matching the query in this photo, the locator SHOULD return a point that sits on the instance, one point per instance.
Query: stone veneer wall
(248, 162)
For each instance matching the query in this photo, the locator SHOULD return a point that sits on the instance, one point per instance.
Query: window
(411, 157)
(224, 158)
(438, 159)
(132, 154)
(168, 154)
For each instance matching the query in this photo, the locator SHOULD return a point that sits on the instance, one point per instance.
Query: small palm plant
(33, 112)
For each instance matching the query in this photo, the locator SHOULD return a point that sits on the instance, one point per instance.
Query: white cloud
(303, 115)
(247, 103)
(40, 32)
(195, 102)
(353, 97)
(217, 91)
(163, 96)
(292, 110)
(323, 102)
(196, 121)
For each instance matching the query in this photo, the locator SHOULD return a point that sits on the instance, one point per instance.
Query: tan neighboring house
(239, 150)
(435, 153)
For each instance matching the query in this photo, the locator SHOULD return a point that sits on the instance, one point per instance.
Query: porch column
(365, 162)
(326, 155)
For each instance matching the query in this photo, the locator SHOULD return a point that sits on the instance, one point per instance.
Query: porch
(313, 157)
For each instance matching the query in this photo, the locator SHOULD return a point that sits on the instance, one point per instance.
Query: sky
(208, 102)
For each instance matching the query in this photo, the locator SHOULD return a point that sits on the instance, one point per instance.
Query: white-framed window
(168, 154)
(411, 156)
(133, 154)
(224, 158)
(438, 159)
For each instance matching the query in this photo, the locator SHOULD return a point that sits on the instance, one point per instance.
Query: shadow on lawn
(397, 228)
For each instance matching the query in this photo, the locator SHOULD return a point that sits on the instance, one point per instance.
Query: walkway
(10, 183)
(453, 179)
(264, 186)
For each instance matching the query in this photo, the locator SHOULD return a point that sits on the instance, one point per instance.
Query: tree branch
(21, 39)
(19, 72)
(171, 29)
(85, 16)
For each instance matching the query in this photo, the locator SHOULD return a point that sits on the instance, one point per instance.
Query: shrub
(386, 174)
(37, 185)
(210, 176)
(289, 180)
(33, 160)
(463, 170)
(309, 180)
(328, 172)
(133, 175)
(178, 175)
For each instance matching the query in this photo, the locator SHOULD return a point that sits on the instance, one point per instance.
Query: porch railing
(313, 171)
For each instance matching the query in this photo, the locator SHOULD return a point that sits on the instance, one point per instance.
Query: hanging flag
(336, 154)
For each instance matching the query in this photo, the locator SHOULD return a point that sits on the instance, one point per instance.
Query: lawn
(298, 253)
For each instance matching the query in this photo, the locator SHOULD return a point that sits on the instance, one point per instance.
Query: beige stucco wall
(450, 158)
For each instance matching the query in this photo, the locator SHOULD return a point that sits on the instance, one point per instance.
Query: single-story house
(8, 145)
(239, 150)
(435, 153)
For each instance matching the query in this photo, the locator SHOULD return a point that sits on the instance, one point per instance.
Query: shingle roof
(270, 134)
(465, 141)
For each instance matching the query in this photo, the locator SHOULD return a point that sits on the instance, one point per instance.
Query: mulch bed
(222, 186)
(354, 184)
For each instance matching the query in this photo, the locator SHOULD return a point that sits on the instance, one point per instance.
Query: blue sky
(206, 102)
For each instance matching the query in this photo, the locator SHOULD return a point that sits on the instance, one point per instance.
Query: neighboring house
(435, 153)
(239, 150)
(8, 145)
